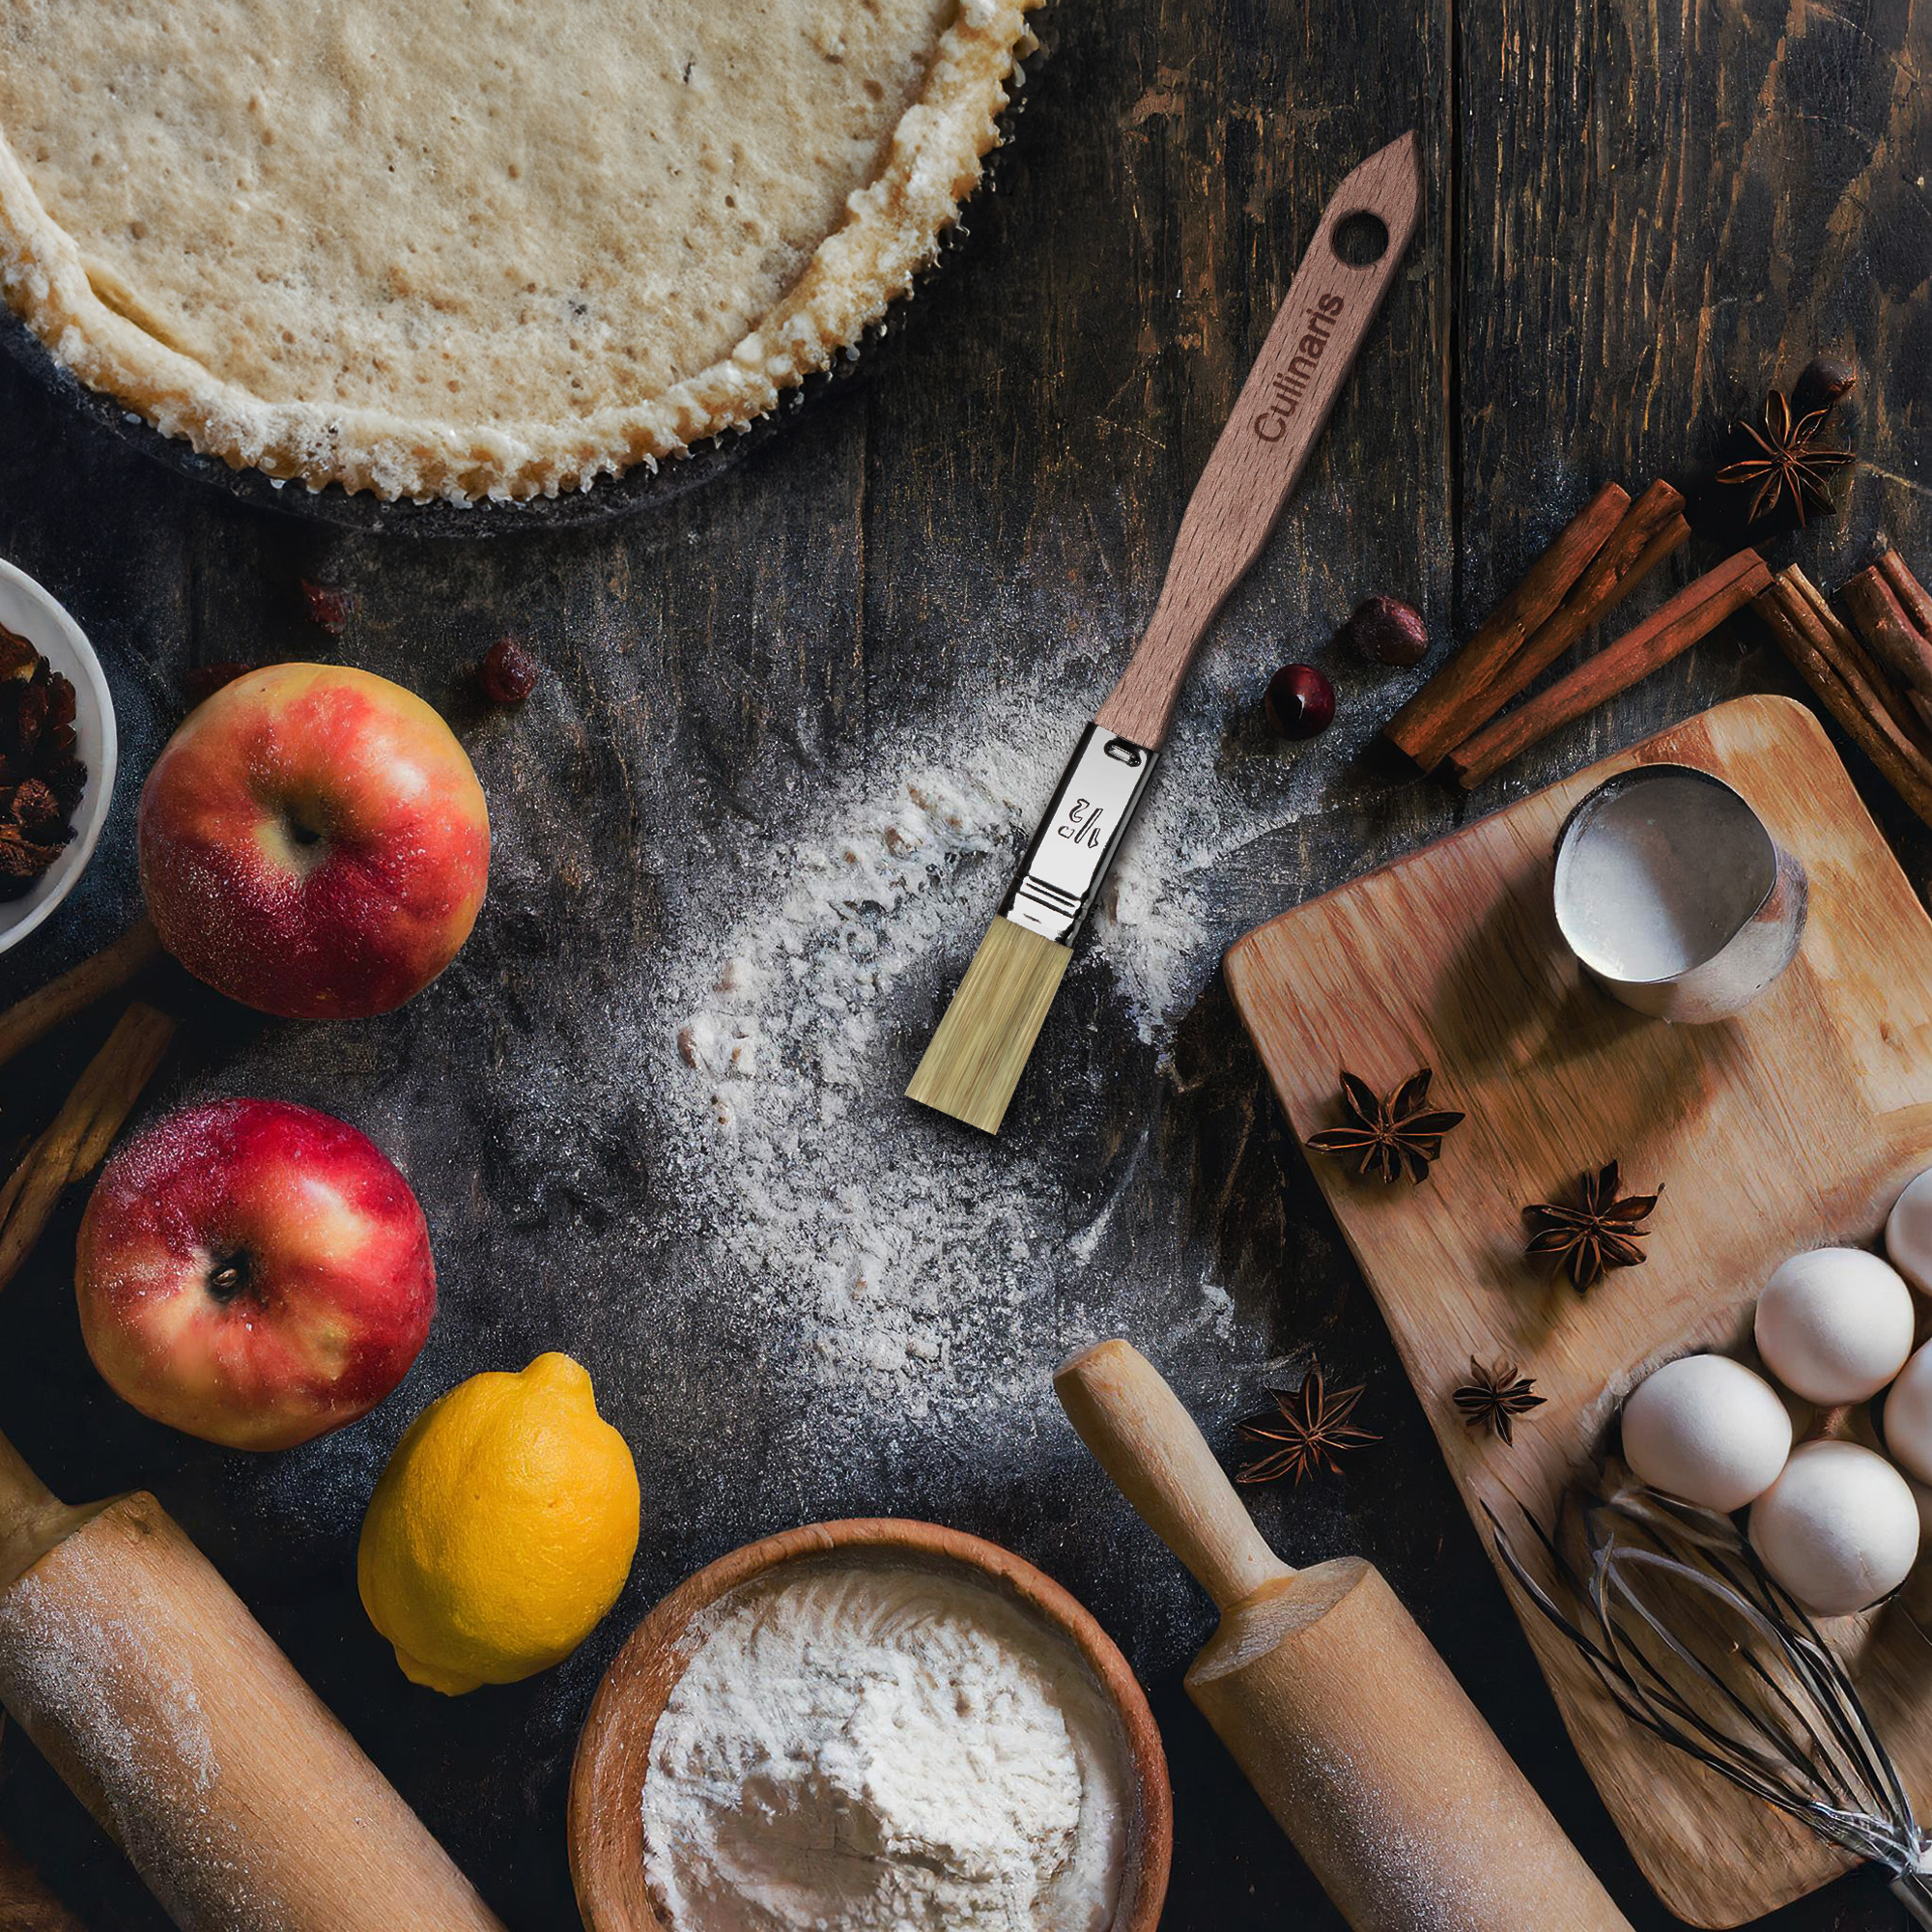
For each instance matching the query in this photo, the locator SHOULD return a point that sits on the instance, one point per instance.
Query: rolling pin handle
(21, 1492)
(32, 1518)
(1148, 1443)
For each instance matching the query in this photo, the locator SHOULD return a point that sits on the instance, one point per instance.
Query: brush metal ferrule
(1059, 877)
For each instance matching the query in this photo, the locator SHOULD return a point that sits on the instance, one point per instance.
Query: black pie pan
(638, 489)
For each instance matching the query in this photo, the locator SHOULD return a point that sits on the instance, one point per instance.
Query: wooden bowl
(607, 1778)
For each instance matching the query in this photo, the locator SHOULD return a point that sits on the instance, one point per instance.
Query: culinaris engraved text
(1287, 386)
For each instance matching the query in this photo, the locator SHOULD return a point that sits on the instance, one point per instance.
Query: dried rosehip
(67, 778)
(203, 681)
(41, 779)
(1826, 380)
(1299, 702)
(330, 608)
(35, 808)
(23, 861)
(508, 674)
(36, 701)
(1386, 631)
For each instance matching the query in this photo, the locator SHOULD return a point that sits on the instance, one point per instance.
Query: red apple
(314, 842)
(253, 1272)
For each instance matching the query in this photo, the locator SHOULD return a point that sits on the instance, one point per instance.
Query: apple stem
(229, 1278)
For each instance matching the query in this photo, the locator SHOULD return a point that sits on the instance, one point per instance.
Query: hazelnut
(1299, 702)
(1386, 631)
(1826, 380)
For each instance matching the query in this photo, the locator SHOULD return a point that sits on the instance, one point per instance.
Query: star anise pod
(1600, 1231)
(1389, 1134)
(1792, 466)
(1311, 1428)
(1493, 1397)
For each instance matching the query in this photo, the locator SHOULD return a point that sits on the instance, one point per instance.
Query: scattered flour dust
(893, 1248)
(884, 1750)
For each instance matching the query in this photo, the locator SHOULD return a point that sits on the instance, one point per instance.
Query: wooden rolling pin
(1345, 1721)
(146, 1682)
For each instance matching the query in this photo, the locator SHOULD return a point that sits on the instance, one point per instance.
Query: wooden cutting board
(1789, 1127)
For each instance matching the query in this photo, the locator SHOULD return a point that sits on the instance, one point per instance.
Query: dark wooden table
(1638, 220)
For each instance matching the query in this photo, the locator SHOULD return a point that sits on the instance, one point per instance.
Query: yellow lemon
(503, 1530)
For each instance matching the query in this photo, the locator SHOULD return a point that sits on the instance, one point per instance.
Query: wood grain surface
(1636, 217)
(1794, 1125)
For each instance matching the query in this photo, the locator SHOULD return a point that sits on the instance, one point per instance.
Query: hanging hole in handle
(1361, 239)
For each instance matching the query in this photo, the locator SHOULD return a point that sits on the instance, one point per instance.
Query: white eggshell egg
(1907, 1416)
(1922, 1496)
(1840, 1529)
(1835, 1325)
(1907, 1233)
(1706, 1429)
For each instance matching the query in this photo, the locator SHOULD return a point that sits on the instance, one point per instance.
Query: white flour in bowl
(883, 1749)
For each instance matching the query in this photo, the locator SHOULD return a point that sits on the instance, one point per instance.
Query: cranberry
(1386, 631)
(330, 608)
(508, 674)
(1299, 702)
(203, 681)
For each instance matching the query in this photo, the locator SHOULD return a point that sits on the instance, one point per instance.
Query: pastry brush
(976, 1058)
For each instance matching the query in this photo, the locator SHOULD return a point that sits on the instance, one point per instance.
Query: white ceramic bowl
(25, 607)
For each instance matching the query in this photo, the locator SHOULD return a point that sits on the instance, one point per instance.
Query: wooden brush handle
(1148, 1443)
(1281, 410)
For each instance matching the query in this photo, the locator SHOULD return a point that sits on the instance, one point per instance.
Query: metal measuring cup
(1673, 895)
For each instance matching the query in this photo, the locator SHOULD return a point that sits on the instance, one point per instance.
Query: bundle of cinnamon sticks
(1458, 724)
(77, 1140)
(1874, 675)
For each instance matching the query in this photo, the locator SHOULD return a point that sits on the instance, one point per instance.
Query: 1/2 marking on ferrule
(1060, 876)
(1082, 824)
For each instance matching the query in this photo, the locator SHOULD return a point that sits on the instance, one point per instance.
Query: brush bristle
(977, 1055)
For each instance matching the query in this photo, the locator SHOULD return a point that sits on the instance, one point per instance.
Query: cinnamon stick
(1908, 589)
(1652, 528)
(1448, 708)
(1885, 625)
(1697, 610)
(78, 987)
(1851, 687)
(83, 1131)
(1854, 664)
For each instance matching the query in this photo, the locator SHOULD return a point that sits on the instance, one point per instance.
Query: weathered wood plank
(1644, 211)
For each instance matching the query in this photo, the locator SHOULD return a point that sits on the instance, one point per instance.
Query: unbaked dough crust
(477, 248)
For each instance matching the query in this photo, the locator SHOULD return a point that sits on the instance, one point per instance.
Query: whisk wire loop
(1696, 1643)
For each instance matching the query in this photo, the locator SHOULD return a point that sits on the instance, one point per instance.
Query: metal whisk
(1702, 1646)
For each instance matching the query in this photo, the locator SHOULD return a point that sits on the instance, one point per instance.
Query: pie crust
(477, 248)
